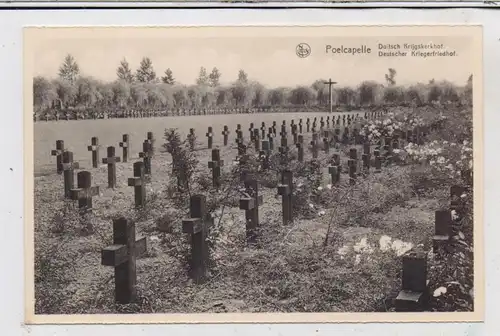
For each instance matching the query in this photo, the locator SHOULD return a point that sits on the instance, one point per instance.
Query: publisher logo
(303, 50)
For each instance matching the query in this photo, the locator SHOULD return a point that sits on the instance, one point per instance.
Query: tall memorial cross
(124, 144)
(197, 226)
(250, 203)
(58, 152)
(122, 256)
(94, 148)
(139, 183)
(330, 98)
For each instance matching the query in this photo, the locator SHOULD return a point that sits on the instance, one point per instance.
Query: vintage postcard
(253, 174)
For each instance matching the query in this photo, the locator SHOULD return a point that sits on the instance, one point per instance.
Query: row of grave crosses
(84, 191)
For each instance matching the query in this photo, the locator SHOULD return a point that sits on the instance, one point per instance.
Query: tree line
(144, 89)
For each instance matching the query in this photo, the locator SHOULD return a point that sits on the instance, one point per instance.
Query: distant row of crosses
(330, 83)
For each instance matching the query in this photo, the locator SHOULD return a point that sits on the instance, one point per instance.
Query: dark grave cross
(283, 133)
(250, 203)
(283, 150)
(146, 158)
(191, 139)
(111, 161)
(274, 128)
(210, 137)
(335, 169)
(300, 125)
(300, 148)
(378, 161)
(256, 139)
(84, 191)
(125, 145)
(345, 136)
(330, 83)
(150, 138)
(294, 133)
(198, 226)
(58, 152)
(326, 141)
(352, 171)
(442, 229)
(285, 189)
(122, 256)
(264, 155)
(314, 144)
(225, 134)
(321, 124)
(263, 129)
(68, 167)
(270, 137)
(336, 135)
(216, 165)
(250, 130)
(94, 148)
(139, 184)
(308, 124)
(414, 294)
(328, 122)
(456, 201)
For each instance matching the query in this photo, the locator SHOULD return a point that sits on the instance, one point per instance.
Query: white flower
(385, 243)
(357, 260)
(343, 250)
(400, 247)
(362, 246)
(154, 238)
(463, 195)
(311, 205)
(454, 214)
(321, 213)
(320, 188)
(329, 186)
(439, 291)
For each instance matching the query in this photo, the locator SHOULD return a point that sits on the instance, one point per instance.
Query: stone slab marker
(210, 137)
(225, 134)
(68, 167)
(125, 146)
(300, 148)
(122, 256)
(58, 152)
(285, 189)
(94, 148)
(146, 157)
(216, 165)
(84, 191)
(111, 161)
(413, 296)
(139, 184)
(198, 226)
(352, 171)
(250, 203)
(442, 229)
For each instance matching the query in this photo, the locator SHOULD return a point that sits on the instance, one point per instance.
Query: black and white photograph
(253, 173)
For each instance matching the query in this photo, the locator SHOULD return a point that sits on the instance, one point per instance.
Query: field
(341, 253)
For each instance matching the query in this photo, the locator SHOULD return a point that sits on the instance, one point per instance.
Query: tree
(242, 77)
(44, 93)
(390, 77)
(145, 73)
(124, 72)
(214, 77)
(69, 70)
(202, 77)
(168, 78)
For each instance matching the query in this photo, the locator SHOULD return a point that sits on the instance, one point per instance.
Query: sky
(268, 58)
